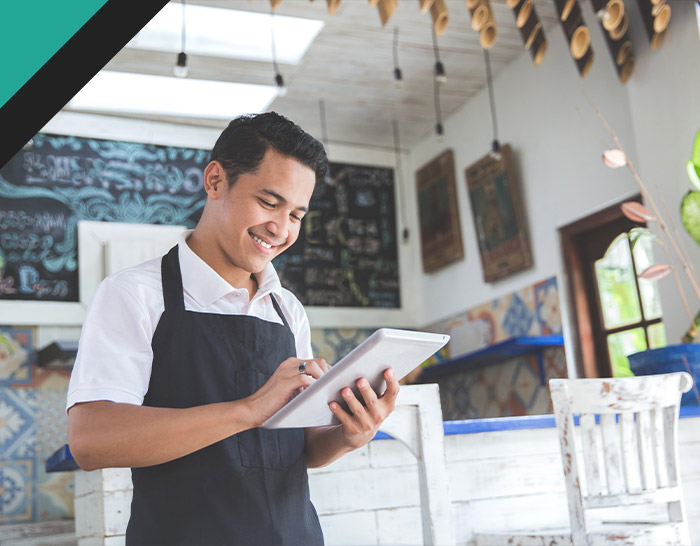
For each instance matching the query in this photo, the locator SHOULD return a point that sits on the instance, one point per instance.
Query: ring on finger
(302, 368)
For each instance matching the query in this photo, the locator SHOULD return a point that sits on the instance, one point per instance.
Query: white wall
(544, 114)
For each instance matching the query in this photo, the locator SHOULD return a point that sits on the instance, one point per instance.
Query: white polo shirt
(114, 354)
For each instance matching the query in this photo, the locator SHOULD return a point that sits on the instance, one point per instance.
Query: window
(614, 312)
(630, 306)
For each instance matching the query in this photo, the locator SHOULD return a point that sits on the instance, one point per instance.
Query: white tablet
(401, 350)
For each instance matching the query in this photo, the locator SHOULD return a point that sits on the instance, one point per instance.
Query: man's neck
(234, 276)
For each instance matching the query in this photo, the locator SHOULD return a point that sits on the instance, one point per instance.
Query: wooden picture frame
(440, 229)
(497, 210)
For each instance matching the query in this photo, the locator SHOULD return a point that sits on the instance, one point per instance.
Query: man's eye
(267, 204)
(296, 217)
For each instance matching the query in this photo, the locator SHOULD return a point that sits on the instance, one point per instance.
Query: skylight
(147, 94)
(228, 33)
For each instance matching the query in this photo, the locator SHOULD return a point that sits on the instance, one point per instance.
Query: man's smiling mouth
(260, 241)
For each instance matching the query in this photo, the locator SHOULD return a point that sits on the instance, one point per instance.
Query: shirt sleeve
(114, 356)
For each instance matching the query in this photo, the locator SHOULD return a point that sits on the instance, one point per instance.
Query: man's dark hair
(241, 147)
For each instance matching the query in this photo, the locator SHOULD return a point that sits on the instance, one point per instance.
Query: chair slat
(670, 439)
(630, 452)
(646, 450)
(612, 454)
(590, 453)
(658, 435)
(666, 494)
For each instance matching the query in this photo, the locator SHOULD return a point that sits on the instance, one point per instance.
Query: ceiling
(349, 67)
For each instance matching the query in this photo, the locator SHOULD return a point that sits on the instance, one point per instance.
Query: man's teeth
(261, 242)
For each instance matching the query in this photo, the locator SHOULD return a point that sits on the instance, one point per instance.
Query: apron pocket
(276, 449)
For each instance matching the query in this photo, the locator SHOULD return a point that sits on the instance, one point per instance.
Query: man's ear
(215, 183)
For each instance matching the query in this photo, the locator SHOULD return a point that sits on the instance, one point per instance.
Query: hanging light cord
(436, 94)
(435, 46)
(183, 26)
(399, 180)
(494, 144)
(274, 47)
(396, 47)
(324, 130)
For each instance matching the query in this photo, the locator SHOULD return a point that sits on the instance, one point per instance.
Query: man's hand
(361, 423)
(284, 385)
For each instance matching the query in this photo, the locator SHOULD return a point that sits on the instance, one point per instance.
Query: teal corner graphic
(33, 32)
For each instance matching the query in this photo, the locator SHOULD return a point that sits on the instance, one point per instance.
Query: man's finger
(312, 368)
(392, 385)
(342, 415)
(354, 405)
(369, 397)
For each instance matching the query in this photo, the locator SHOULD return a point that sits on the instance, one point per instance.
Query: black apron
(251, 488)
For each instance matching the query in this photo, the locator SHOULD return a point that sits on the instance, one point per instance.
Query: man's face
(259, 217)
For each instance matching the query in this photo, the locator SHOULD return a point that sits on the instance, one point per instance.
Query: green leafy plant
(690, 204)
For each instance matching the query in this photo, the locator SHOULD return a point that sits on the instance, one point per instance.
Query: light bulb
(398, 77)
(180, 69)
(281, 88)
(439, 131)
(440, 75)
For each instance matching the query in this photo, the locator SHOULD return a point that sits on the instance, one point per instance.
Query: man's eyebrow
(281, 199)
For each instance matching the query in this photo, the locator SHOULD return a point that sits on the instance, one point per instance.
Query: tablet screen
(401, 350)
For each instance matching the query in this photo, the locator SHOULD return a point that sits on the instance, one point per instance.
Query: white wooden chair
(622, 459)
(620, 463)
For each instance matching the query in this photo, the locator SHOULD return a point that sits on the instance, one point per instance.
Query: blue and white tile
(17, 423)
(55, 493)
(17, 490)
(525, 384)
(548, 309)
(518, 318)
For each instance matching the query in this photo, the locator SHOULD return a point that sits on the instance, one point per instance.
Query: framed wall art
(440, 230)
(499, 220)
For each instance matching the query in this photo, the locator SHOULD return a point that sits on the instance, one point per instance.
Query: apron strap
(279, 310)
(172, 281)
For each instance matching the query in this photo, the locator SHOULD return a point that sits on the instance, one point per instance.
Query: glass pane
(622, 344)
(657, 335)
(643, 258)
(616, 285)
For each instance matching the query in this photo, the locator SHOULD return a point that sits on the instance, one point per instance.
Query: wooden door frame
(589, 359)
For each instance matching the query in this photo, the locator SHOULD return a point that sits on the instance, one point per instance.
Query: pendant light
(495, 146)
(439, 68)
(439, 129)
(398, 75)
(399, 181)
(279, 80)
(180, 69)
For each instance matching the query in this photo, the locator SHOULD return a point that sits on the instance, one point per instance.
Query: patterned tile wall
(516, 386)
(33, 425)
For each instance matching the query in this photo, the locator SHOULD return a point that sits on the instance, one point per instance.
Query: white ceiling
(350, 67)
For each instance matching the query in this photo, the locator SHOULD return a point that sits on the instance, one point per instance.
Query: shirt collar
(206, 286)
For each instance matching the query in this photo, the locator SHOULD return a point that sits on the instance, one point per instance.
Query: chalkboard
(346, 254)
(55, 181)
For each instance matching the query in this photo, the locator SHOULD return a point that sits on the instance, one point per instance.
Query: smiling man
(181, 359)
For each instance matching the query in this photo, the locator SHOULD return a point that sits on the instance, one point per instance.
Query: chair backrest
(624, 450)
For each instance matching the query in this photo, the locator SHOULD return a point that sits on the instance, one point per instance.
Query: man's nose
(279, 227)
